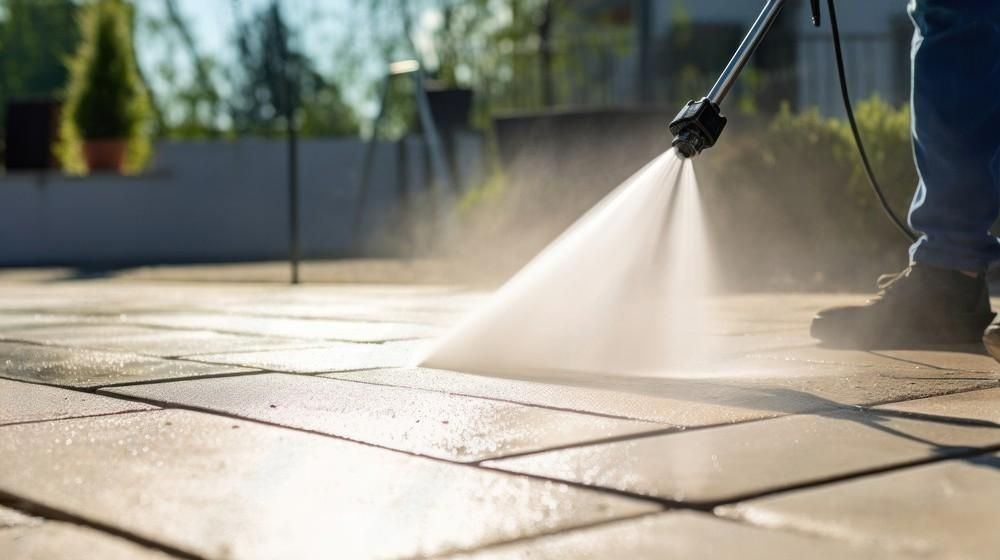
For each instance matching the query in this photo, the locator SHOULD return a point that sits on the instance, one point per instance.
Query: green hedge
(790, 207)
(785, 199)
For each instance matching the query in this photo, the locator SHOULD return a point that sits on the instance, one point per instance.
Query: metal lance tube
(742, 55)
(700, 123)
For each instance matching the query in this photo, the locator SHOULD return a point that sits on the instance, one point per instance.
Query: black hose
(910, 235)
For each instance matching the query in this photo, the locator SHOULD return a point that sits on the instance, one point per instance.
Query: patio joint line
(549, 534)
(98, 415)
(38, 509)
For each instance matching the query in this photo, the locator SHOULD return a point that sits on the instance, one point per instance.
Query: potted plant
(107, 107)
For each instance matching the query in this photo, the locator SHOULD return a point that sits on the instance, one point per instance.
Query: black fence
(601, 72)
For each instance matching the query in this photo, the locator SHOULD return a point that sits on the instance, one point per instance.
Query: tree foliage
(277, 79)
(36, 37)
(800, 172)
(196, 107)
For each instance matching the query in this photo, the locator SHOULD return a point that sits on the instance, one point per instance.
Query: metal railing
(602, 72)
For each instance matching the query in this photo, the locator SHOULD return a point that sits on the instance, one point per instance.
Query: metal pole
(294, 249)
(434, 144)
(442, 171)
(366, 165)
(745, 50)
(644, 21)
(291, 100)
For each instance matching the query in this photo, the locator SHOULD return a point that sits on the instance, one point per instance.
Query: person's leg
(956, 142)
(956, 132)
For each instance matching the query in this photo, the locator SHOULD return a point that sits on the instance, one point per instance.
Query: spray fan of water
(622, 291)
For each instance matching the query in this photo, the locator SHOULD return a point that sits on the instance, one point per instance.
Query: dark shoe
(921, 306)
(991, 340)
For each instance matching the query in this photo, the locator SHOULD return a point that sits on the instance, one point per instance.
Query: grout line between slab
(308, 344)
(140, 353)
(712, 505)
(668, 430)
(38, 509)
(705, 507)
(159, 326)
(970, 452)
(588, 443)
(329, 375)
(874, 404)
(94, 389)
(166, 405)
(99, 415)
(322, 376)
(797, 530)
(6, 498)
(112, 317)
(777, 414)
(99, 388)
(548, 534)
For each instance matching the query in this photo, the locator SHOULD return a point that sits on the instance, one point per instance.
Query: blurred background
(456, 136)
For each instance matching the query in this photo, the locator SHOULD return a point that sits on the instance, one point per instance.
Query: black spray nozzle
(696, 127)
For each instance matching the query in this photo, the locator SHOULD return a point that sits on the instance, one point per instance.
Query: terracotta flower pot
(104, 154)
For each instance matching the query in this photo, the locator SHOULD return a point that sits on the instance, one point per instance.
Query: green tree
(276, 77)
(511, 52)
(36, 37)
(194, 109)
(106, 97)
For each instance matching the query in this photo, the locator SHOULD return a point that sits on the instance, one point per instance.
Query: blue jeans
(956, 132)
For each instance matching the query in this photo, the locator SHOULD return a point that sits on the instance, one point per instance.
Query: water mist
(622, 291)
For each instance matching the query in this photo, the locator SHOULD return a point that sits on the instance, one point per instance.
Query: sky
(213, 21)
(325, 26)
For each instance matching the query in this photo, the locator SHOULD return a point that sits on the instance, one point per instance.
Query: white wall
(203, 201)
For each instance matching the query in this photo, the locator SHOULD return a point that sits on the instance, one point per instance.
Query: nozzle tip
(685, 149)
(685, 145)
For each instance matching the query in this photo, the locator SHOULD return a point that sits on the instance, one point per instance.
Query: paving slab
(71, 367)
(350, 331)
(978, 406)
(427, 423)
(400, 303)
(970, 360)
(72, 335)
(334, 356)
(63, 541)
(195, 343)
(13, 518)
(149, 341)
(681, 536)
(223, 488)
(9, 320)
(754, 392)
(347, 310)
(943, 510)
(716, 465)
(27, 402)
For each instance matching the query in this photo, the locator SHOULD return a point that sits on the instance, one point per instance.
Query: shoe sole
(947, 330)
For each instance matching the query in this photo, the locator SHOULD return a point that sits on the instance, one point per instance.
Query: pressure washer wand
(700, 123)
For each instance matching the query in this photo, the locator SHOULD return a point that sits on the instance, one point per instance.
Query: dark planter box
(32, 130)
(450, 108)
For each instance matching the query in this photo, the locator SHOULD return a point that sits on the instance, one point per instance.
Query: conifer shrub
(106, 97)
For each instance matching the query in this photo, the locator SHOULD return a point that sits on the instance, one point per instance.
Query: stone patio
(218, 420)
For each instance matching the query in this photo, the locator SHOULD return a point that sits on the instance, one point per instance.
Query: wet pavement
(143, 419)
